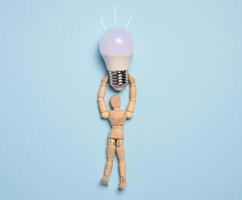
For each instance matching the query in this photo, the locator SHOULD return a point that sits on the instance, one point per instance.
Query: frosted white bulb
(117, 48)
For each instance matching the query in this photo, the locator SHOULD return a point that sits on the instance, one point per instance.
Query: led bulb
(117, 48)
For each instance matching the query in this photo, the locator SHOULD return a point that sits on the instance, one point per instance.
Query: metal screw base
(118, 79)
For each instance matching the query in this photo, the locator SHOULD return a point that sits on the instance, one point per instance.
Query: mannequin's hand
(105, 79)
(131, 79)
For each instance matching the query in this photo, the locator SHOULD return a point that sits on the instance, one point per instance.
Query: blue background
(185, 139)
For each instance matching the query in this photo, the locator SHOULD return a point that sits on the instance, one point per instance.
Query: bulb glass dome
(117, 41)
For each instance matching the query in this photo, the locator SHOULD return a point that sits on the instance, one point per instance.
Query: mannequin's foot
(123, 183)
(104, 180)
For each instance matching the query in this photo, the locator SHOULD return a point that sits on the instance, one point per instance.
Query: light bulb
(117, 48)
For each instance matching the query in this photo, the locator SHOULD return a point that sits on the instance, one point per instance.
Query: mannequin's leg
(109, 164)
(122, 165)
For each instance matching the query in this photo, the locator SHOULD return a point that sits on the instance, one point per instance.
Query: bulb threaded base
(118, 79)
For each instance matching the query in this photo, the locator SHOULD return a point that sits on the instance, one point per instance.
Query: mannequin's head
(115, 102)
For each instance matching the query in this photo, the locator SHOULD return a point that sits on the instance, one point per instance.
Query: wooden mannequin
(116, 117)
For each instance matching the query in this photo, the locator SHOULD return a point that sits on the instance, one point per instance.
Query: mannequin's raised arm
(101, 104)
(132, 97)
